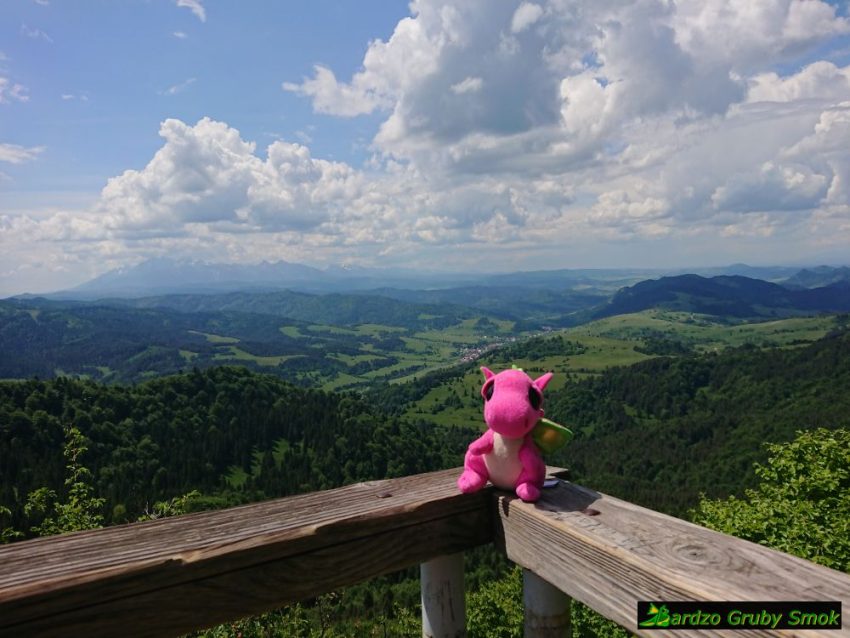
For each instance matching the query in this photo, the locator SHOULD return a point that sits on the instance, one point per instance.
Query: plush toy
(507, 453)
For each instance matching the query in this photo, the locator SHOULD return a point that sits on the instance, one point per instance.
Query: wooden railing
(170, 576)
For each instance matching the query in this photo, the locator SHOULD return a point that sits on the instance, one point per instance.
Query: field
(612, 342)
(374, 341)
(705, 333)
(347, 357)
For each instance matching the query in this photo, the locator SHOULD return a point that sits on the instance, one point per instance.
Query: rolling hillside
(119, 343)
(533, 307)
(727, 296)
(331, 309)
(664, 430)
(817, 277)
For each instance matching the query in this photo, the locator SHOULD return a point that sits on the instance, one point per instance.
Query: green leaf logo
(657, 617)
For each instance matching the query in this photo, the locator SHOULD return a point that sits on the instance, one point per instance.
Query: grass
(418, 345)
(352, 359)
(611, 342)
(150, 350)
(291, 331)
(341, 381)
(377, 330)
(214, 338)
(607, 342)
(336, 330)
(423, 351)
(706, 333)
(234, 353)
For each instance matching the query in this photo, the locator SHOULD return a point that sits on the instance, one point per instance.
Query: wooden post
(547, 608)
(443, 604)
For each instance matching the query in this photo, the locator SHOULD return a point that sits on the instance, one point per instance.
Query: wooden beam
(170, 576)
(609, 554)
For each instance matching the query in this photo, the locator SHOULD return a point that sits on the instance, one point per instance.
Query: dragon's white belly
(503, 463)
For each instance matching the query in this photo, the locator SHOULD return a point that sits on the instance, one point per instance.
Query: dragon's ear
(487, 373)
(542, 381)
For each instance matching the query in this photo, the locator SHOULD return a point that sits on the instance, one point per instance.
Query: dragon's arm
(482, 445)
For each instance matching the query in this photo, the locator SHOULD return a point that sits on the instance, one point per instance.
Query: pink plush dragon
(506, 454)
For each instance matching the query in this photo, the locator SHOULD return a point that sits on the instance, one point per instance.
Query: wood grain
(609, 554)
(169, 576)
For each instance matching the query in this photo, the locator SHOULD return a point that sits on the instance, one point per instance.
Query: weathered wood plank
(169, 576)
(609, 554)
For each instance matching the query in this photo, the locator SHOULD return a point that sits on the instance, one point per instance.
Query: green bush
(802, 505)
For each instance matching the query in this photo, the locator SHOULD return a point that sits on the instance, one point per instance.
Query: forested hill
(729, 296)
(46, 338)
(524, 303)
(662, 431)
(336, 308)
(658, 432)
(818, 277)
(223, 431)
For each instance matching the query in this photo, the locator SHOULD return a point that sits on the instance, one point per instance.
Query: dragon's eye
(487, 391)
(534, 397)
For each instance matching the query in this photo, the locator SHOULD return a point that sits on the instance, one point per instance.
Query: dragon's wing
(550, 436)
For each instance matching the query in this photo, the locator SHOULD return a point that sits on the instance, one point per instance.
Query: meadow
(612, 342)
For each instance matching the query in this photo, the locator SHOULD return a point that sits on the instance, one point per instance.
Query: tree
(81, 509)
(802, 505)
(495, 610)
(8, 534)
(177, 506)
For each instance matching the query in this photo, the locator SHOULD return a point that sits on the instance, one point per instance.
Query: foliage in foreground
(801, 506)
(318, 621)
(80, 509)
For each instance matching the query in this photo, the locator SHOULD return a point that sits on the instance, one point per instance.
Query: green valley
(116, 343)
(191, 402)
(588, 350)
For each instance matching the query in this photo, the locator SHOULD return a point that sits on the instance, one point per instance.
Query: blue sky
(115, 63)
(443, 135)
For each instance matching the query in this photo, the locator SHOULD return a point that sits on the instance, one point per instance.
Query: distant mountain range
(817, 277)
(165, 276)
(168, 276)
(729, 296)
(158, 277)
(333, 308)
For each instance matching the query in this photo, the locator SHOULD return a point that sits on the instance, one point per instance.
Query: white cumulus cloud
(819, 80)
(469, 85)
(12, 91)
(35, 34)
(526, 14)
(206, 174)
(522, 130)
(195, 7)
(179, 87)
(16, 154)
